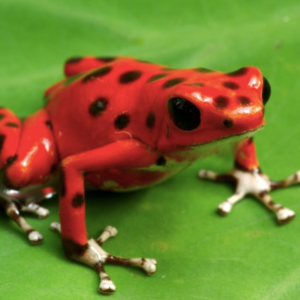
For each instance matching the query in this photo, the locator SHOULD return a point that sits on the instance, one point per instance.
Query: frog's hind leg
(13, 212)
(10, 128)
(35, 160)
(29, 159)
(15, 202)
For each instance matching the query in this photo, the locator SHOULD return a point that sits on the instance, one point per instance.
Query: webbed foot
(255, 183)
(94, 256)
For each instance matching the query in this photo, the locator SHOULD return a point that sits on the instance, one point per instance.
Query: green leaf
(200, 254)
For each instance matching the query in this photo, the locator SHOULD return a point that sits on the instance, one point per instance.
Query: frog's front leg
(120, 155)
(249, 179)
(95, 257)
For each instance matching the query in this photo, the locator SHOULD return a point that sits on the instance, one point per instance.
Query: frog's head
(212, 108)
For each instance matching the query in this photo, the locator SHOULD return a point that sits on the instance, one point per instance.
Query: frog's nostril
(266, 92)
(228, 123)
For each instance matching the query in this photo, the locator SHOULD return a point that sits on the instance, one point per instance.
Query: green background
(200, 254)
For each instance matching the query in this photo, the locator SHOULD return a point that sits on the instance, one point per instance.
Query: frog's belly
(125, 180)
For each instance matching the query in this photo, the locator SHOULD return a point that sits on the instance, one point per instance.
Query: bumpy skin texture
(122, 124)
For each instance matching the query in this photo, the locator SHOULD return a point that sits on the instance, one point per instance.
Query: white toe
(149, 265)
(112, 230)
(107, 286)
(42, 212)
(284, 215)
(202, 173)
(35, 237)
(224, 208)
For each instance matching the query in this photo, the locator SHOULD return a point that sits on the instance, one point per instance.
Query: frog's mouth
(226, 139)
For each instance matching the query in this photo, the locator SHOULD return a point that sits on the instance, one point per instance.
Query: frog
(122, 124)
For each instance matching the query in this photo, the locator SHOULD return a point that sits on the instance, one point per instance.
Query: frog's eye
(184, 114)
(266, 92)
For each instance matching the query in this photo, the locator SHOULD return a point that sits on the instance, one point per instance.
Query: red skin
(93, 149)
(9, 135)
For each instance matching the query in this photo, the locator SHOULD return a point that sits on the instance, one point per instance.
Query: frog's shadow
(111, 208)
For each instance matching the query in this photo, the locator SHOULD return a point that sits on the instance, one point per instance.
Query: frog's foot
(40, 211)
(14, 202)
(255, 183)
(13, 212)
(94, 256)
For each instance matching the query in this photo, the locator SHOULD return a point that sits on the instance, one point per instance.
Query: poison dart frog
(122, 124)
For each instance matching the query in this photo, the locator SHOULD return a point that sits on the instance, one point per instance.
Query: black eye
(266, 93)
(185, 114)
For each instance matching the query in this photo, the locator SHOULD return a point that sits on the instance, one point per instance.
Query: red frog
(122, 124)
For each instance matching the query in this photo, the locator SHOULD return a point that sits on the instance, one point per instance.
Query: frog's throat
(227, 139)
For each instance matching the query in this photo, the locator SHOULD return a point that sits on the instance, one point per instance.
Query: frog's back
(101, 102)
(99, 106)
